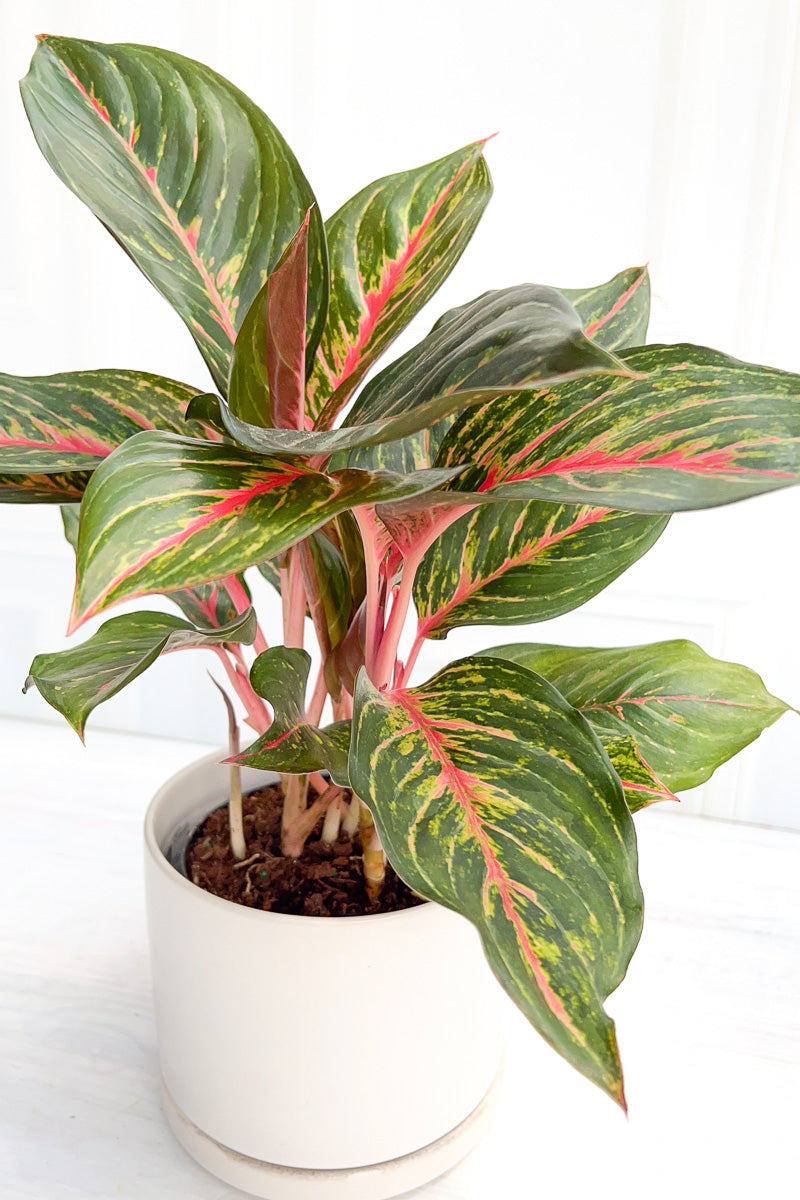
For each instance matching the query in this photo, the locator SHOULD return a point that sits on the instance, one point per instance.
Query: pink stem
(257, 716)
(318, 698)
(405, 674)
(294, 613)
(242, 601)
(373, 624)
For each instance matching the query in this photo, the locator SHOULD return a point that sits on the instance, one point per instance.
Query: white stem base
(380, 1181)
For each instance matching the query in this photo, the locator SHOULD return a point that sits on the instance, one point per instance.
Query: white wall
(665, 131)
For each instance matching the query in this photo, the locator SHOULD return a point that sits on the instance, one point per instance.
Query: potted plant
(506, 469)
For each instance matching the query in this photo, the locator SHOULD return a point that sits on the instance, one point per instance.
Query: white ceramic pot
(311, 1057)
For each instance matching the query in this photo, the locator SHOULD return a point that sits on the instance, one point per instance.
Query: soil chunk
(326, 881)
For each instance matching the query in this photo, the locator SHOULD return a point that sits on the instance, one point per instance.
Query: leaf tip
(42, 37)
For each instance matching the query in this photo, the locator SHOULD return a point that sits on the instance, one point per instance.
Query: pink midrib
(75, 444)
(592, 329)
(187, 240)
(496, 874)
(710, 463)
(468, 588)
(376, 302)
(224, 508)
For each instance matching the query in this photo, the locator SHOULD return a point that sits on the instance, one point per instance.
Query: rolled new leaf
(76, 680)
(291, 745)
(186, 172)
(694, 429)
(55, 429)
(687, 712)
(493, 797)
(391, 246)
(165, 512)
(268, 365)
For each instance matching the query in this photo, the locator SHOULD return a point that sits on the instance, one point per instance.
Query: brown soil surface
(327, 881)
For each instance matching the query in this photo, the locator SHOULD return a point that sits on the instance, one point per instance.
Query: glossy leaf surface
(64, 425)
(501, 340)
(186, 172)
(493, 797)
(640, 783)
(166, 512)
(512, 563)
(697, 429)
(615, 314)
(75, 681)
(391, 246)
(290, 744)
(686, 711)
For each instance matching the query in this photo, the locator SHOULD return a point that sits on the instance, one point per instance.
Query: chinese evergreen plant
(504, 470)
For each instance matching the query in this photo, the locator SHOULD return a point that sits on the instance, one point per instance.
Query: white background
(660, 131)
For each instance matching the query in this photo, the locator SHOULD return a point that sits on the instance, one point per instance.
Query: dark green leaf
(188, 174)
(75, 681)
(493, 797)
(291, 745)
(686, 711)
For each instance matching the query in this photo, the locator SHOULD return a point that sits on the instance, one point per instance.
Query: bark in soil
(326, 881)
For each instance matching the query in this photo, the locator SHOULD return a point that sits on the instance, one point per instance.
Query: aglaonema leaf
(513, 563)
(686, 712)
(268, 375)
(493, 797)
(75, 681)
(62, 426)
(209, 605)
(391, 246)
(502, 340)
(615, 314)
(188, 174)
(694, 429)
(165, 512)
(641, 785)
(291, 744)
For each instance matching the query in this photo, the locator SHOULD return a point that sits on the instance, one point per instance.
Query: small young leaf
(75, 681)
(291, 745)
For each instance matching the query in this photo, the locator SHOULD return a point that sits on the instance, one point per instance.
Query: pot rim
(201, 896)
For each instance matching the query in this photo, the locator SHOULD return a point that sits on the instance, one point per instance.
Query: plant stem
(295, 795)
(257, 716)
(318, 698)
(242, 602)
(333, 820)
(374, 858)
(351, 819)
(294, 611)
(235, 815)
(295, 835)
(405, 675)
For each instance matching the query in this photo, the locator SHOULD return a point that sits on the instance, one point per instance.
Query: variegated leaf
(615, 314)
(165, 512)
(63, 425)
(391, 246)
(512, 563)
(75, 681)
(268, 375)
(640, 783)
(686, 711)
(186, 172)
(502, 340)
(493, 797)
(209, 605)
(291, 745)
(695, 429)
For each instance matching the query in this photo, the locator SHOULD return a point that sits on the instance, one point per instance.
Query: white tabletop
(708, 1018)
